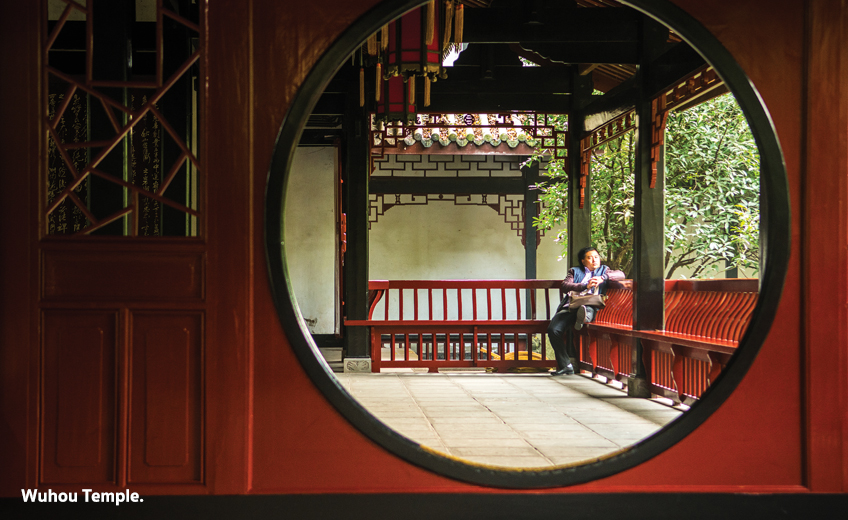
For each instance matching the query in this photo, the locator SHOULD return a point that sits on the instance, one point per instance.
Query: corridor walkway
(514, 420)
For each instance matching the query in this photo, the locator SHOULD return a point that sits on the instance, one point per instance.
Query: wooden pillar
(531, 196)
(579, 221)
(649, 214)
(356, 174)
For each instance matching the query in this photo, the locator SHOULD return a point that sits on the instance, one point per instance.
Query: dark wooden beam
(526, 80)
(579, 221)
(557, 25)
(531, 195)
(447, 185)
(356, 207)
(603, 109)
(649, 216)
(487, 54)
(330, 103)
(667, 69)
(580, 52)
(676, 63)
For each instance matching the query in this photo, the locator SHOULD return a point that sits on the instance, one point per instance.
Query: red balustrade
(460, 323)
(705, 320)
(502, 324)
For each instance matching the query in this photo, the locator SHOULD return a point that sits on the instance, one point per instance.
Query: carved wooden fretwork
(510, 207)
(129, 121)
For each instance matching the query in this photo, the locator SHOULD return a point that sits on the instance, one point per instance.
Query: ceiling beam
(604, 109)
(558, 25)
(678, 62)
(594, 52)
(669, 68)
(505, 80)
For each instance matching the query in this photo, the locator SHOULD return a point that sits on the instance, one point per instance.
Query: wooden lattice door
(122, 251)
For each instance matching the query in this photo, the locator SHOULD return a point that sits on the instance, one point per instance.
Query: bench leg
(376, 354)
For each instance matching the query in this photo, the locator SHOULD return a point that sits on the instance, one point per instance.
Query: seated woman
(591, 276)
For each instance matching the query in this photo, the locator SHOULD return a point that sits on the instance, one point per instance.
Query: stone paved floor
(515, 420)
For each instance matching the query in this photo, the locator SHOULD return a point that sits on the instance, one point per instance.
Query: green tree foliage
(711, 193)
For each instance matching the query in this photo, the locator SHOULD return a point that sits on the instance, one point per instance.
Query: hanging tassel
(412, 90)
(371, 45)
(448, 22)
(379, 80)
(362, 86)
(458, 24)
(426, 91)
(384, 37)
(430, 23)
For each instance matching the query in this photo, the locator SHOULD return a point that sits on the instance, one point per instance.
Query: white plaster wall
(548, 263)
(310, 236)
(444, 241)
(441, 241)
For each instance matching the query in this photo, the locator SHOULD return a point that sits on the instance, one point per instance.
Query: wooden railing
(705, 319)
(460, 323)
(503, 323)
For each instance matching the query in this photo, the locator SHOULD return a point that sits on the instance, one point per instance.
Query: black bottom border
(510, 506)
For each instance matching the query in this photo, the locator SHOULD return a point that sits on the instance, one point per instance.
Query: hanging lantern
(395, 103)
(413, 49)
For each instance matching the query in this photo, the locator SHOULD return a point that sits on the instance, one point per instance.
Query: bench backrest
(463, 300)
(709, 314)
(618, 310)
(712, 309)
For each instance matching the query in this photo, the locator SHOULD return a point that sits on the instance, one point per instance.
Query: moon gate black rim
(773, 188)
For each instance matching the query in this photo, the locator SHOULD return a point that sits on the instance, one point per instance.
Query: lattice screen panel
(122, 144)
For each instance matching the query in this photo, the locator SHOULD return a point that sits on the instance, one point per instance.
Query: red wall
(264, 427)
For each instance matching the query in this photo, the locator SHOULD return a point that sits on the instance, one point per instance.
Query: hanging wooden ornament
(371, 45)
(429, 25)
(362, 86)
(459, 22)
(379, 82)
(384, 37)
(448, 24)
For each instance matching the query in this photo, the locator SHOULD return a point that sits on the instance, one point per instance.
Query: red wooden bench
(705, 320)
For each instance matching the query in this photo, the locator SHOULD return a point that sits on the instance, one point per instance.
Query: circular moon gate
(775, 228)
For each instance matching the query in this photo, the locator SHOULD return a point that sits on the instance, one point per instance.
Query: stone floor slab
(466, 442)
(510, 420)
